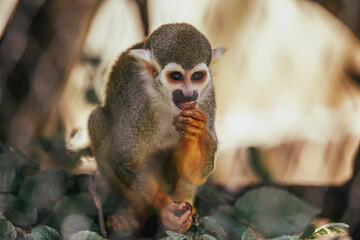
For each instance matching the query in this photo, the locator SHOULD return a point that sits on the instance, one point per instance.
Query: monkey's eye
(197, 76)
(176, 76)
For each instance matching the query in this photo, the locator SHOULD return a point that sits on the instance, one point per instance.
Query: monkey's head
(177, 57)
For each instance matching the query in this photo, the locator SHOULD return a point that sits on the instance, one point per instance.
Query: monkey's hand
(191, 123)
(176, 217)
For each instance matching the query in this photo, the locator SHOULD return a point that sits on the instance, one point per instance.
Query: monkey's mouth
(185, 105)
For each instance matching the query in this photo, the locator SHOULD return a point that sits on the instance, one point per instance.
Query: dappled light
(287, 114)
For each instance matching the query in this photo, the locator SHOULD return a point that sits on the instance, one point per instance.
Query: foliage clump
(54, 205)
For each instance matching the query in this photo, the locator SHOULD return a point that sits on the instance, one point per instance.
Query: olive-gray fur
(124, 133)
(179, 43)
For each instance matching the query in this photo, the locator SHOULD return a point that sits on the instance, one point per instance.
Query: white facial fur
(163, 84)
(170, 85)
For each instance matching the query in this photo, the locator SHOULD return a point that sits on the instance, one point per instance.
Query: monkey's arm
(195, 153)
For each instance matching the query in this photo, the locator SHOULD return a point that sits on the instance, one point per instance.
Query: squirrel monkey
(154, 137)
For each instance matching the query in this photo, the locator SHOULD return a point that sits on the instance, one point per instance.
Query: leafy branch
(330, 229)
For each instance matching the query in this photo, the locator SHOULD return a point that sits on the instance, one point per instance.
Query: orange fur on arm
(192, 157)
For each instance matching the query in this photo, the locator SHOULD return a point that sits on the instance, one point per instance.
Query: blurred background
(287, 89)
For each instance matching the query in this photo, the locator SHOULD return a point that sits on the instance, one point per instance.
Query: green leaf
(331, 229)
(249, 235)
(176, 236)
(273, 212)
(287, 237)
(232, 225)
(208, 198)
(44, 188)
(7, 230)
(9, 174)
(19, 158)
(18, 211)
(71, 223)
(43, 232)
(210, 225)
(206, 237)
(85, 235)
(308, 231)
(82, 202)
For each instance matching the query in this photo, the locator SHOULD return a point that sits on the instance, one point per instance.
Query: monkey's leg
(144, 191)
(184, 191)
(130, 219)
(128, 222)
(147, 185)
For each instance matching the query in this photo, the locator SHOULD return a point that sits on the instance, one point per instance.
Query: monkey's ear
(217, 52)
(146, 58)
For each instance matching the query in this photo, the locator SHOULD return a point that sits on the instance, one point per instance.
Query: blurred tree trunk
(52, 43)
(6, 9)
(348, 11)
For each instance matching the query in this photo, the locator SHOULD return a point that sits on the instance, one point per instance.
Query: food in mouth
(186, 105)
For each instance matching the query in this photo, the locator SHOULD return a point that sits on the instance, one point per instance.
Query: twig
(13, 148)
(196, 224)
(98, 205)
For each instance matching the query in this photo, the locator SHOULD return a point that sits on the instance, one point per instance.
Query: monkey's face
(184, 86)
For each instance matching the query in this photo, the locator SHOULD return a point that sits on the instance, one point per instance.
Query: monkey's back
(128, 103)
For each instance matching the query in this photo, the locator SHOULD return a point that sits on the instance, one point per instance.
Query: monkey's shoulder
(125, 63)
(126, 79)
(123, 67)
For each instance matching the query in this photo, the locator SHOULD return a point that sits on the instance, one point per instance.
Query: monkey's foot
(125, 223)
(176, 217)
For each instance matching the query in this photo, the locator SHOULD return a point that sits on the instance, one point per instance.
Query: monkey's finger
(186, 129)
(178, 206)
(187, 122)
(194, 113)
(134, 224)
(186, 225)
(184, 205)
(190, 121)
(183, 218)
(180, 127)
(125, 225)
(116, 225)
